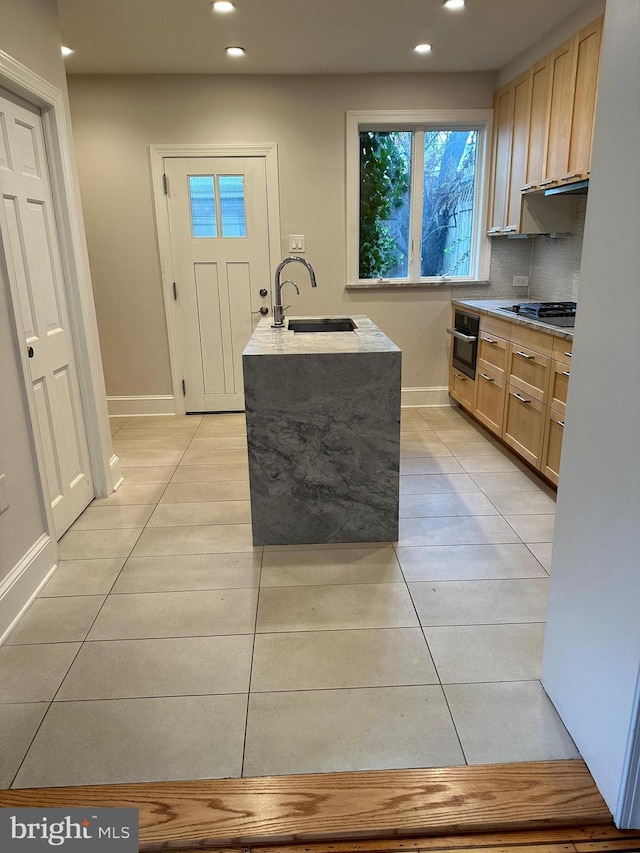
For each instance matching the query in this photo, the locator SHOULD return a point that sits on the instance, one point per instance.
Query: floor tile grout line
(253, 652)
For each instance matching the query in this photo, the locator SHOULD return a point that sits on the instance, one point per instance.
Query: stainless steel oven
(465, 342)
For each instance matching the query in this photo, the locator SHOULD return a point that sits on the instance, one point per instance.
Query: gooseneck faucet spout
(278, 310)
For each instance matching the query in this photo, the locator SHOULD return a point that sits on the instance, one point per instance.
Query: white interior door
(30, 241)
(220, 247)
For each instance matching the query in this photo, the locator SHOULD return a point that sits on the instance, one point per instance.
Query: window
(230, 199)
(415, 196)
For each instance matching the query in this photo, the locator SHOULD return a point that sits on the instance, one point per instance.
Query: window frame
(420, 120)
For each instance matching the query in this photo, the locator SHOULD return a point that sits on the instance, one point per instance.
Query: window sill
(394, 285)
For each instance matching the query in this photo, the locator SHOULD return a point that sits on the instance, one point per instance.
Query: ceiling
(301, 36)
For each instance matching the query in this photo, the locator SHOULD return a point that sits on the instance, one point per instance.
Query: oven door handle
(461, 336)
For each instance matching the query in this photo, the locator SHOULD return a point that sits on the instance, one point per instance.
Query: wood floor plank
(328, 806)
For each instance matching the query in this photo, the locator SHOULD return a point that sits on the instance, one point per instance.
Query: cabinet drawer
(552, 445)
(562, 350)
(462, 389)
(523, 428)
(558, 386)
(495, 326)
(490, 390)
(528, 370)
(493, 354)
(532, 339)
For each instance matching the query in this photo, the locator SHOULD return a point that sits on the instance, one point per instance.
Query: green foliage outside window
(384, 185)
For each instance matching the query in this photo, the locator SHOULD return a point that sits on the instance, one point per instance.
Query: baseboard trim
(438, 395)
(151, 404)
(24, 582)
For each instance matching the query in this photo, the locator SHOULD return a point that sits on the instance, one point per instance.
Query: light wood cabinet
(520, 96)
(562, 350)
(561, 89)
(523, 424)
(552, 445)
(587, 63)
(490, 395)
(501, 154)
(462, 389)
(537, 131)
(528, 371)
(558, 386)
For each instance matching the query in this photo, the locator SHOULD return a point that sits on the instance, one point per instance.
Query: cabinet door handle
(487, 377)
(496, 230)
(547, 182)
(461, 378)
(489, 341)
(509, 229)
(571, 176)
(527, 187)
(566, 373)
(568, 354)
(522, 399)
(524, 355)
(560, 424)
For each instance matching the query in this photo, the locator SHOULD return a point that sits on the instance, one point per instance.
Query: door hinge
(184, 388)
(175, 291)
(165, 184)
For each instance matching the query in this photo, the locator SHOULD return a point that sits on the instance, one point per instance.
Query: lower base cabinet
(490, 395)
(524, 423)
(552, 445)
(462, 388)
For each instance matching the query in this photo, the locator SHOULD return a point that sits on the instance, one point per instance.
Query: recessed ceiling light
(453, 4)
(223, 6)
(422, 48)
(235, 51)
(66, 51)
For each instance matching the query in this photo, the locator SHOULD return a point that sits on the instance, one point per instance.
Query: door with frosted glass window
(220, 247)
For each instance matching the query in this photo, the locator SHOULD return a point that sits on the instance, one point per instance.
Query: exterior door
(30, 242)
(219, 232)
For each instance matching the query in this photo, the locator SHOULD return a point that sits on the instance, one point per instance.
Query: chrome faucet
(278, 310)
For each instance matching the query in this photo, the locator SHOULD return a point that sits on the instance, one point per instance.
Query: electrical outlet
(4, 497)
(297, 243)
(521, 281)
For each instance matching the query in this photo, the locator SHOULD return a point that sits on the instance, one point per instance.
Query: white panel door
(220, 246)
(30, 240)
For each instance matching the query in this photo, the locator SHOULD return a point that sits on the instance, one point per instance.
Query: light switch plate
(4, 496)
(521, 281)
(297, 243)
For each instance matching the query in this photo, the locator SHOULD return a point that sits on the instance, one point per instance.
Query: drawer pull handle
(566, 373)
(522, 399)
(487, 377)
(489, 341)
(568, 354)
(524, 355)
(560, 424)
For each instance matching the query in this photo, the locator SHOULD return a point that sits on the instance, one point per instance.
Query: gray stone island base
(323, 430)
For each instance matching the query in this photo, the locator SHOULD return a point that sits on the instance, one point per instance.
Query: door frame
(105, 465)
(269, 153)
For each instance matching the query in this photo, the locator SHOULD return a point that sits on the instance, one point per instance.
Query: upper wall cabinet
(543, 126)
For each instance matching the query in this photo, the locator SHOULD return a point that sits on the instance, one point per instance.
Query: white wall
(592, 645)
(116, 118)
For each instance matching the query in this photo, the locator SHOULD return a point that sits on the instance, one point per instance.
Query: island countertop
(367, 337)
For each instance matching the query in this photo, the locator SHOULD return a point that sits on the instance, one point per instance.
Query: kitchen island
(323, 432)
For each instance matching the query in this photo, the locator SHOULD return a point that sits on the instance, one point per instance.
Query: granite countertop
(491, 306)
(367, 337)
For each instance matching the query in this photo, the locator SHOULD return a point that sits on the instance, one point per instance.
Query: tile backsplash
(552, 264)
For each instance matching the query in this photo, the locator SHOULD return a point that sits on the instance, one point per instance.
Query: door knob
(263, 291)
(30, 352)
(264, 310)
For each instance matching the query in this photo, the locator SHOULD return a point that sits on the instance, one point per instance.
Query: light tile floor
(167, 646)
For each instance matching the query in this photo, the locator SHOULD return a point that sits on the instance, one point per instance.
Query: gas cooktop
(552, 313)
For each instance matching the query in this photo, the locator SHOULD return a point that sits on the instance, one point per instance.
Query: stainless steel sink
(326, 324)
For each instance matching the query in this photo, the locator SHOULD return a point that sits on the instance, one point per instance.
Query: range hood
(578, 188)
